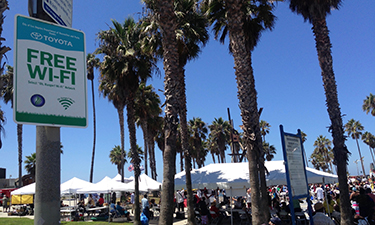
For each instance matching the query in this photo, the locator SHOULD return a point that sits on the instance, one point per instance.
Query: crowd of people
(325, 201)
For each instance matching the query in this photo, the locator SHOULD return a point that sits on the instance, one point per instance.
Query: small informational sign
(295, 165)
(49, 75)
(295, 171)
(59, 10)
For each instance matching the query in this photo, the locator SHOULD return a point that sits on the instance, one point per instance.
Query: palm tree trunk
(185, 149)
(145, 143)
(323, 47)
(152, 159)
(213, 157)
(372, 155)
(360, 155)
(120, 111)
(19, 138)
(182, 161)
(248, 103)
(135, 156)
(168, 24)
(94, 127)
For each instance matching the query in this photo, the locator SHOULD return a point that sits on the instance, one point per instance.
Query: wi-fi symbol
(65, 102)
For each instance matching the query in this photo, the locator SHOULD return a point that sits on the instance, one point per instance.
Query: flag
(131, 168)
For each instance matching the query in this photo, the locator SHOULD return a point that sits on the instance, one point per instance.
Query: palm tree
(191, 34)
(92, 62)
(198, 131)
(264, 129)
(7, 95)
(220, 133)
(369, 104)
(270, 151)
(3, 49)
(147, 107)
(30, 165)
(167, 21)
(116, 158)
(354, 129)
(368, 138)
(316, 12)
(323, 148)
(244, 21)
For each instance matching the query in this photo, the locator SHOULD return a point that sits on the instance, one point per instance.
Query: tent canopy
(72, 185)
(236, 176)
(118, 179)
(146, 183)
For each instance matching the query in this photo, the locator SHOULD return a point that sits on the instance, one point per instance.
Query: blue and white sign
(49, 74)
(59, 10)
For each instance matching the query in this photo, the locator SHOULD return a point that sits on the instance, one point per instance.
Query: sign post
(295, 170)
(50, 67)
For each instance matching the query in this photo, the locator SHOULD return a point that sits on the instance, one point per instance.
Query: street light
(10, 178)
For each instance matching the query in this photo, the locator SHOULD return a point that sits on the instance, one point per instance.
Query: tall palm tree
(30, 164)
(191, 34)
(354, 129)
(116, 157)
(220, 133)
(168, 23)
(369, 104)
(316, 11)
(245, 21)
(198, 131)
(368, 138)
(132, 66)
(7, 95)
(92, 62)
(323, 147)
(147, 107)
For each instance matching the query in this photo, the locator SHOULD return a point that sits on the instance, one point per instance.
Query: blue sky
(287, 78)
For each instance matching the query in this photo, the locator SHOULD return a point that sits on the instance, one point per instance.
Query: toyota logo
(36, 35)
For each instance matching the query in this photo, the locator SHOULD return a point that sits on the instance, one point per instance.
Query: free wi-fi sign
(50, 74)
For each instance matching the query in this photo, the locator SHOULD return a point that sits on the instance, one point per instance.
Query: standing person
(319, 193)
(145, 206)
(114, 198)
(132, 201)
(203, 209)
(248, 198)
(5, 203)
(180, 200)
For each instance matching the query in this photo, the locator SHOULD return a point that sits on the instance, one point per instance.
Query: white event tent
(146, 183)
(107, 185)
(235, 176)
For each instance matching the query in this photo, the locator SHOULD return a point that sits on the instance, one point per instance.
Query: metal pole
(47, 186)
(47, 189)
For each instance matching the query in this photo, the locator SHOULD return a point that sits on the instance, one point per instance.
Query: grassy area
(26, 221)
